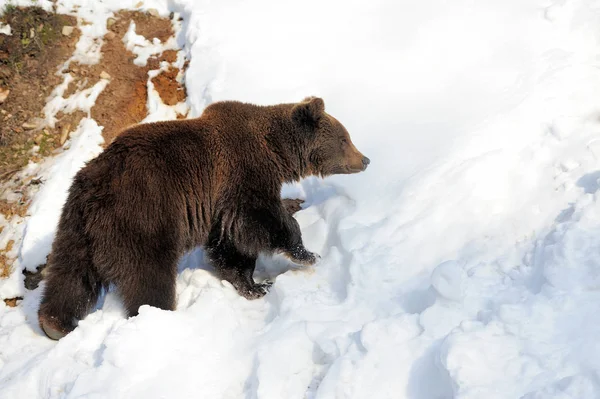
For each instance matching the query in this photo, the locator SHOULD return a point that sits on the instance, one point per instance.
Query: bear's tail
(72, 282)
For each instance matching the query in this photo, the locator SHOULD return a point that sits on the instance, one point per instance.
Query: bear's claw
(304, 257)
(258, 290)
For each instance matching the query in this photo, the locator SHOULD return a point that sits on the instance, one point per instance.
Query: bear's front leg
(301, 255)
(236, 268)
(291, 243)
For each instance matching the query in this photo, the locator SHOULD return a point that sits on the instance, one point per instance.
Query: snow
(463, 263)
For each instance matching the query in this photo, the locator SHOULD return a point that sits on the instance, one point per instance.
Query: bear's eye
(344, 142)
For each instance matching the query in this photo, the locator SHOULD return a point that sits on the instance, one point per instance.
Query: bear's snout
(356, 162)
(365, 161)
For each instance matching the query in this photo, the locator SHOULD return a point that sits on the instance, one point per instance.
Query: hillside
(464, 263)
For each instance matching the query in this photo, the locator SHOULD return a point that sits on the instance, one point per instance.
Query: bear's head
(330, 150)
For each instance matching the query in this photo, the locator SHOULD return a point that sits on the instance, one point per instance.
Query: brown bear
(161, 189)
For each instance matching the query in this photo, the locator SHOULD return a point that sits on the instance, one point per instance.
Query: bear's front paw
(303, 257)
(257, 290)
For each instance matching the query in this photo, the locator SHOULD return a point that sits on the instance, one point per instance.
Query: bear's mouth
(348, 170)
(357, 170)
(344, 170)
(361, 167)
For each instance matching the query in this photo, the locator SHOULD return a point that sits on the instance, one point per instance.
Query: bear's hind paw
(292, 205)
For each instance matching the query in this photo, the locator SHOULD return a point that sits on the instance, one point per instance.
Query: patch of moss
(9, 8)
(34, 29)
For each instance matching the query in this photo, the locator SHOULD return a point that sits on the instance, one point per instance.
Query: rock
(153, 12)
(110, 22)
(31, 33)
(64, 135)
(38, 139)
(3, 95)
(139, 4)
(110, 35)
(29, 125)
(67, 30)
(33, 123)
(104, 75)
(5, 29)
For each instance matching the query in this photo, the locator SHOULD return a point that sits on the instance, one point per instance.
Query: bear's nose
(365, 161)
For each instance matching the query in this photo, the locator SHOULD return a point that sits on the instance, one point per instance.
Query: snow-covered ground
(465, 263)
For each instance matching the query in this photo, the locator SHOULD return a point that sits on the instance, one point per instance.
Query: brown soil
(123, 102)
(29, 59)
(10, 209)
(148, 25)
(12, 302)
(5, 266)
(169, 56)
(170, 91)
(5, 262)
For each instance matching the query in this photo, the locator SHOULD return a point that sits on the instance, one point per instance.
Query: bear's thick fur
(161, 189)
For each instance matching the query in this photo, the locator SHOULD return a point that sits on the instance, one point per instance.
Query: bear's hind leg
(236, 268)
(292, 205)
(148, 280)
(70, 292)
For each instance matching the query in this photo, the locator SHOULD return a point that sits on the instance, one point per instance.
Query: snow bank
(461, 264)
(84, 144)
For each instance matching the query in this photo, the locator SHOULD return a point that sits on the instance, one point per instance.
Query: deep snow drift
(464, 263)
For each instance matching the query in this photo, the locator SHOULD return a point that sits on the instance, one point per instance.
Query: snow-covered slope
(465, 263)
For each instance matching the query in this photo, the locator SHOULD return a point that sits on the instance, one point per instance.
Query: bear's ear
(309, 111)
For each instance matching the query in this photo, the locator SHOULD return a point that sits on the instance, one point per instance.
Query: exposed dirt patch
(168, 56)
(170, 91)
(29, 59)
(12, 302)
(123, 101)
(148, 25)
(10, 209)
(5, 266)
(28, 66)
(5, 262)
